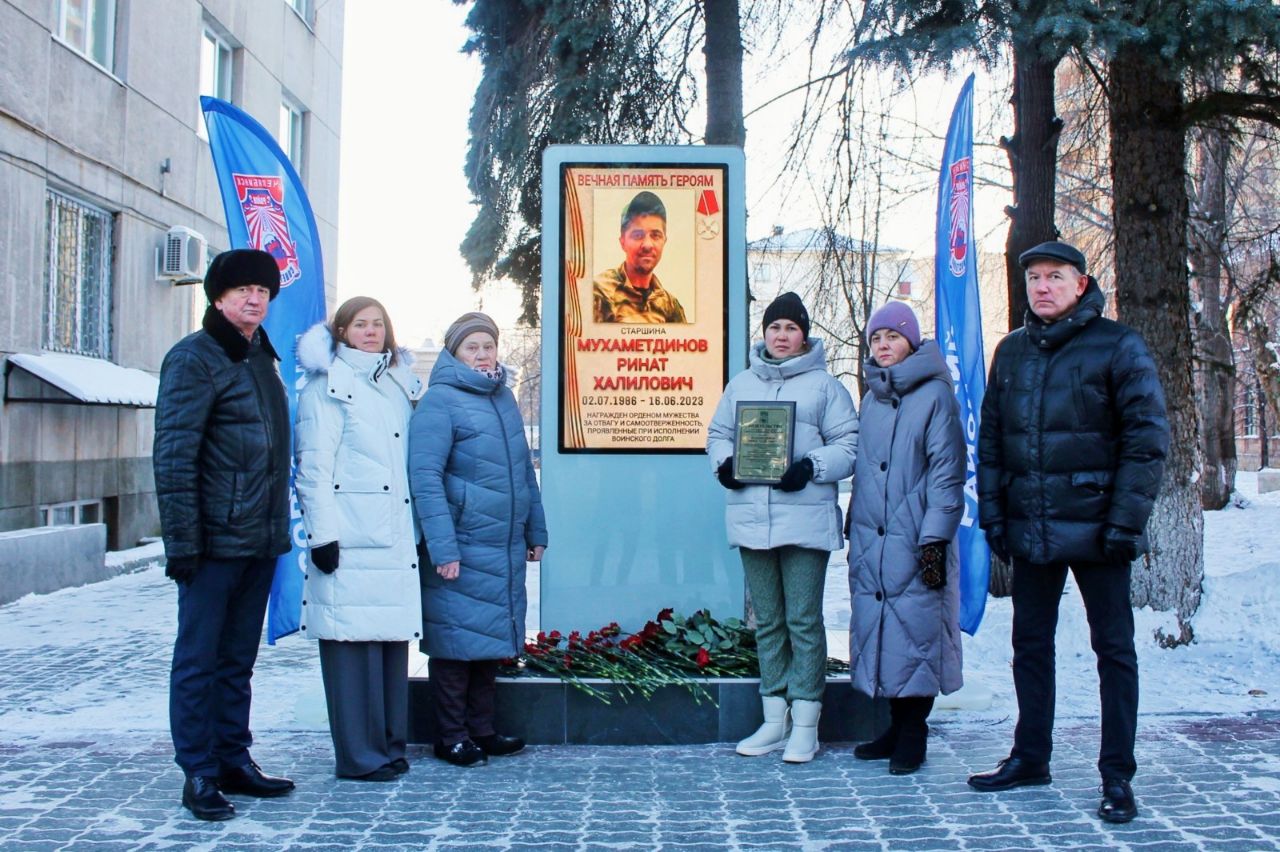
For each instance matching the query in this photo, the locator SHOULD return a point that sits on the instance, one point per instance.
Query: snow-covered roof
(92, 380)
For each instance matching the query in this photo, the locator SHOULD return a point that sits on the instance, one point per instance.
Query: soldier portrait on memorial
(632, 292)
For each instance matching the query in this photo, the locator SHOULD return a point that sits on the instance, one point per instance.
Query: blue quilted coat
(477, 501)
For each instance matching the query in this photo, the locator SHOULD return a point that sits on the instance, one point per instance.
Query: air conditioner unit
(181, 258)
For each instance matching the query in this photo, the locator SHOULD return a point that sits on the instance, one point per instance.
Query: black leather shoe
(400, 765)
(201, 796)
(249, 780)
(382, 773)
(1009, 773)
(1117, 801)
(496, 745)
(465, 753)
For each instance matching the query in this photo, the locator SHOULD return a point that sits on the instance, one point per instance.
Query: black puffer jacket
(221, 452)
(1073, 435)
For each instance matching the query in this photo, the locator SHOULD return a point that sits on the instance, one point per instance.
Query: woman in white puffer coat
(361, 598)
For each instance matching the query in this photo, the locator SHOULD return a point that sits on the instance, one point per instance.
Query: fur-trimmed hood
(318, 354)
(317, 350)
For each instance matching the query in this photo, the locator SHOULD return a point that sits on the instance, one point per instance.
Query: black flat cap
(1053, 250)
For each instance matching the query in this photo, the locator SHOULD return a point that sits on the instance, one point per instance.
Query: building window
(77, 301)
(303, 8)
(291, 132)
(215, 71)
(89, 27)
(904, 288)
(71, 514)
(1249, 414)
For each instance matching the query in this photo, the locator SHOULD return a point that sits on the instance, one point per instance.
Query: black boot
(910, 750)
(881, 748)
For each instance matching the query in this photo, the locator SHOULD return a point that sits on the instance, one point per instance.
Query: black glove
(724, 473)
(325, 557)
(182, 569)
(797, 476)
(1119, 545)
(933, 564)
(997, 543)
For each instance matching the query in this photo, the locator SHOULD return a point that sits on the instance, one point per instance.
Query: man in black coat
(221, 462)
(1070, 455)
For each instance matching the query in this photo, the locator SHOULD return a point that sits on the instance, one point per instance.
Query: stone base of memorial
(549, 711)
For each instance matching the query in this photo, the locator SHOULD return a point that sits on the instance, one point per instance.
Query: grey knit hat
(468, 323)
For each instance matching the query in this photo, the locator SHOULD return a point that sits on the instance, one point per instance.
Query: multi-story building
(103, 161)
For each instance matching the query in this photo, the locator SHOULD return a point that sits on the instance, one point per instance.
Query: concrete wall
(51, 558)
(100, 135)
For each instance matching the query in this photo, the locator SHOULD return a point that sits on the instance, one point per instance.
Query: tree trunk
(723, 51)
(1148, 172)
(1033, 163)
(1215, 371)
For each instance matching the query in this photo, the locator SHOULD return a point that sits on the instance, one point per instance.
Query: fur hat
(896, 316)
(468, 323)
(787, 306)
(238, 267)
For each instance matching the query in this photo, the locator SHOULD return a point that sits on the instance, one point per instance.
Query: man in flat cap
(1070, 454)
(631, 292)
(221, 461)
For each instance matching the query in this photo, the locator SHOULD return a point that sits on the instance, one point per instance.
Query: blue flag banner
(267, 208)
(959, 332)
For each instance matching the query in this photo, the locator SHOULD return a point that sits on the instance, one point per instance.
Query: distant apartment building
(109, 212)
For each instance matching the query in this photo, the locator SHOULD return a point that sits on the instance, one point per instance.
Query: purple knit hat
(896, 316)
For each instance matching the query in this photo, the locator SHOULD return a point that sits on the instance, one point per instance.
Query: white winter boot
(803, 744)
(772, 735)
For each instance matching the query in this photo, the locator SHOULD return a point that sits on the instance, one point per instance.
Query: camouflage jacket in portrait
(615, 300)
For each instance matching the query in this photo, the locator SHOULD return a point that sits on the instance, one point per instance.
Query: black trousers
(219, 628)
(1037, 591)
(464, 693)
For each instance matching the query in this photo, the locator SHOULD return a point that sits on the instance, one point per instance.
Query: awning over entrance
(77, 380)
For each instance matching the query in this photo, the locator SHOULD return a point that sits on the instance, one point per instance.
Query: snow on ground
(112, 640)
(1237, 645)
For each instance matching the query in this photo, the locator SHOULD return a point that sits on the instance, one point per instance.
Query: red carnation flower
(542, 638)
(704, 659)
(666, 614)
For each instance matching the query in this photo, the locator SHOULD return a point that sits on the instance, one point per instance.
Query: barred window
(77, 303)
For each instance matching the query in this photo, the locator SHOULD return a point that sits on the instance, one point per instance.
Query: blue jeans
(220, 616)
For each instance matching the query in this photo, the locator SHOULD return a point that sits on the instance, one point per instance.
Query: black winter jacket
(1073, 435)
(221, 452)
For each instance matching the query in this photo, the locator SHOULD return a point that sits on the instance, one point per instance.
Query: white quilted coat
(351, 443)
(760, 517)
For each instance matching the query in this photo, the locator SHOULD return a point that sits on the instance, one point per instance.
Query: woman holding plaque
(481, 515)
(908, 499)
(782, 515)
(360, 599)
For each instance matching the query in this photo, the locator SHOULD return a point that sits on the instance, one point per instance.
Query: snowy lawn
(1233, 665)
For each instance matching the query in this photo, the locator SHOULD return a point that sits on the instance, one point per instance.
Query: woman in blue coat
(480, 511)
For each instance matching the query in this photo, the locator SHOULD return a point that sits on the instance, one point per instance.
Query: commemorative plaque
(762, 441)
